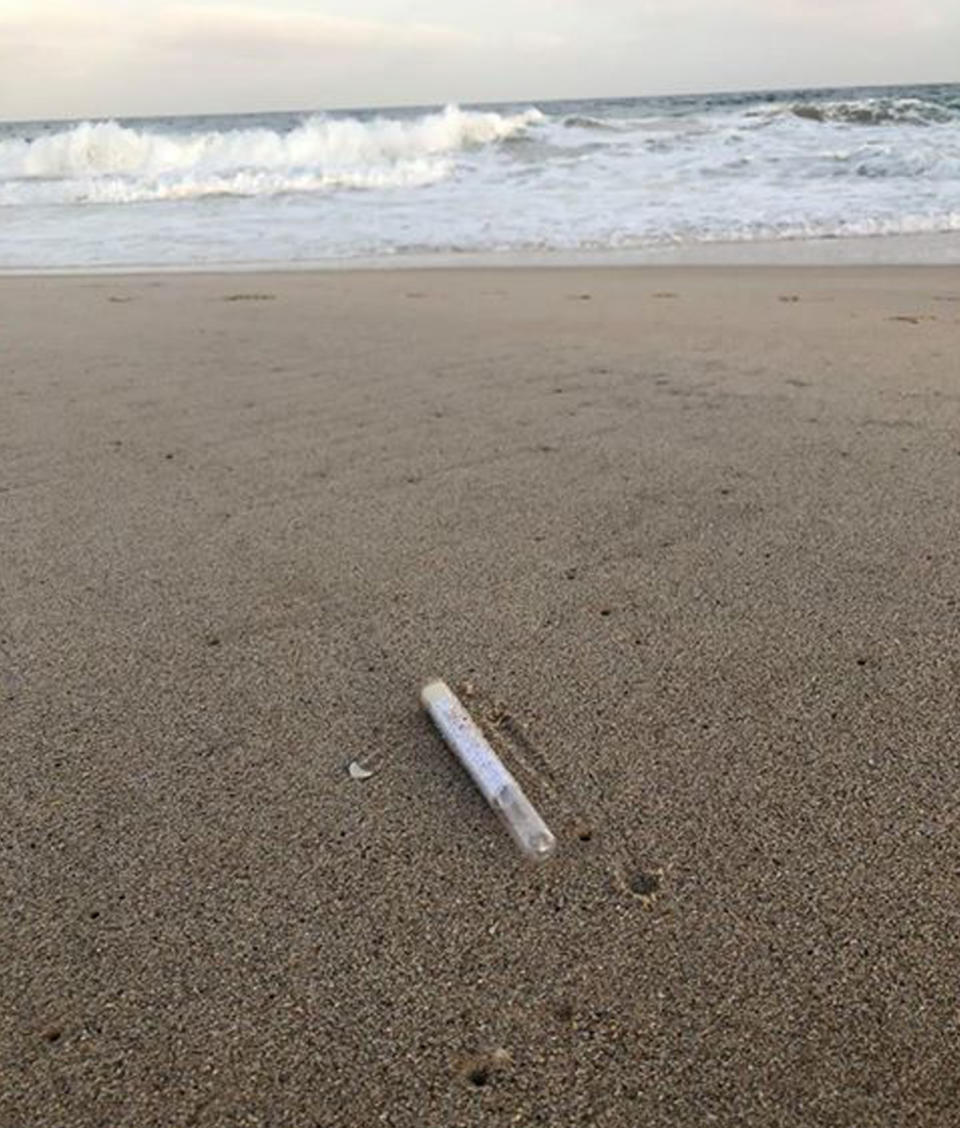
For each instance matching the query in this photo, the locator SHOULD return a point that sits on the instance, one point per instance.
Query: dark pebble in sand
(645, 883)
(563, 1011)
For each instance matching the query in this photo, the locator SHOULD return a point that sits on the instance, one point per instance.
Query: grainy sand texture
(687, 541)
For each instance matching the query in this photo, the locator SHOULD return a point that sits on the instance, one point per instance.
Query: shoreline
(940, 249)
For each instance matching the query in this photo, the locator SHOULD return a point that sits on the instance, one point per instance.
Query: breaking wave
(877, 111)
(108, 162)
(584, 121)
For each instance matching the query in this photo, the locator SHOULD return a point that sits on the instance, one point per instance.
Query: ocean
(641, 177)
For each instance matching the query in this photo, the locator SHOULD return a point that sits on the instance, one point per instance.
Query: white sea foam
(579, 175)
(194, 185)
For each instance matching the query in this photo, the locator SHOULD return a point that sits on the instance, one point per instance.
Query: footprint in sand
(643, 885)
(478, 1069)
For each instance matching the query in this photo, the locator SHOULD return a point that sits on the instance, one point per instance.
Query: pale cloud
(120, 58)
(244, 27)
(867, 18)
(227, 26)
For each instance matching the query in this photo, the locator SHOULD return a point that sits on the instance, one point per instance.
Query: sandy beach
(685, 538)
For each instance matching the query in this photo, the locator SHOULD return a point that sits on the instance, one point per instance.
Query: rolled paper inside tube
(486, 769)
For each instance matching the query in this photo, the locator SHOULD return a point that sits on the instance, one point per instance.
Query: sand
(689, 536)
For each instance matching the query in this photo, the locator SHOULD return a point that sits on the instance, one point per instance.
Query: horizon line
(479, 104)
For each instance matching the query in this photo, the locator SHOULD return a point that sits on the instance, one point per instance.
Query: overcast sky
(79, 58)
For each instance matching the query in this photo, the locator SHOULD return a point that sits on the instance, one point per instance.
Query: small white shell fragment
(358, 771)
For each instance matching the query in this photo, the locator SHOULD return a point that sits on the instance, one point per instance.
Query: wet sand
(686, 538)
